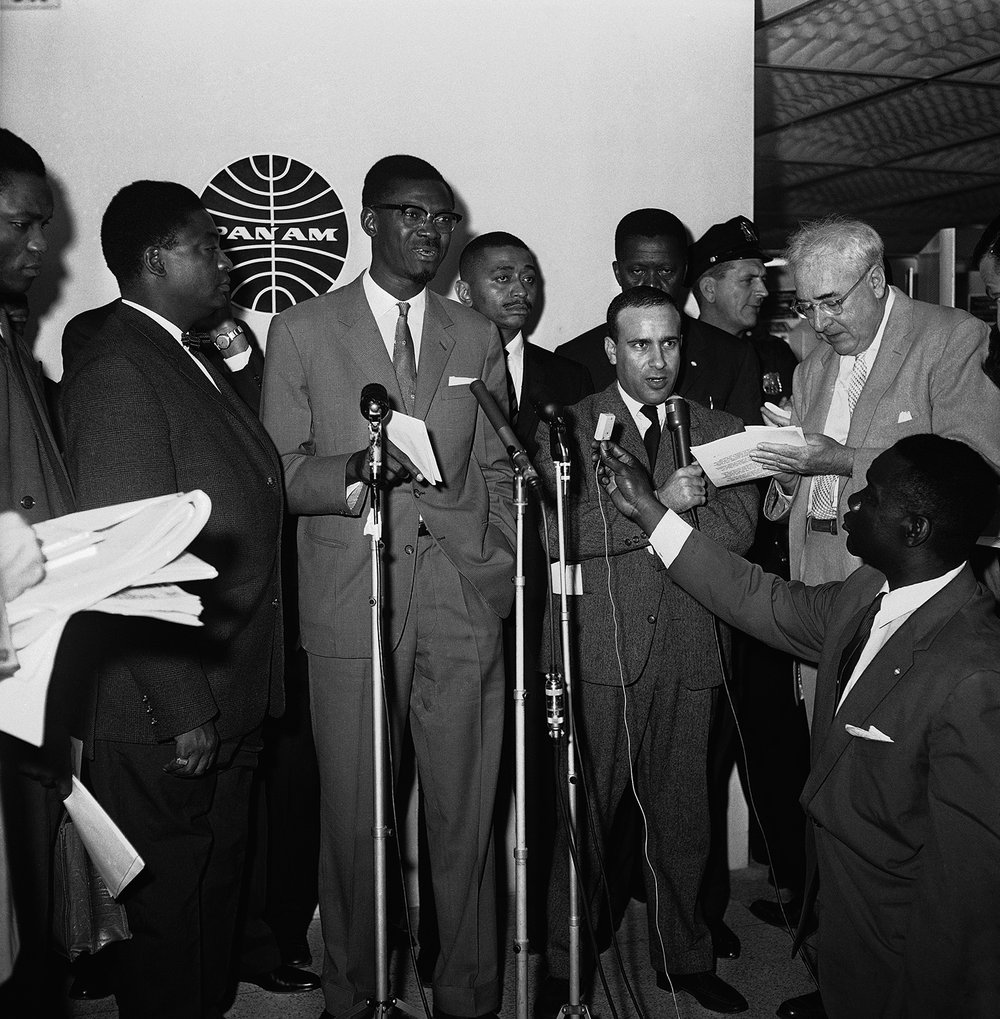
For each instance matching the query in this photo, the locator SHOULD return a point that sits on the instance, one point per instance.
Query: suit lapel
(363, 342)
(888, 361)
(886, 670)
(436, 342)
(527, 414)
(822, 392)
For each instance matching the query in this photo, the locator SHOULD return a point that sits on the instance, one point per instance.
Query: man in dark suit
(645, 670)
(904, 786)
(499, 278)
(718, 371)
(448, 564)
(175, 731)
(34, 482)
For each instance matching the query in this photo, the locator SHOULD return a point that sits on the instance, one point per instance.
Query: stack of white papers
(727, 460)
(124, 559)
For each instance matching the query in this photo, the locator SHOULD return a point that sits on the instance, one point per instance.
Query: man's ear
(368, 221)
(706, 285)
(916, 530)
(611, 349)
(463, 293)
(614, 269)
(152, 261)
(879, 283)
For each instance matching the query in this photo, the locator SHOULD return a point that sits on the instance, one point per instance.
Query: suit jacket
(320, 354)
(644, 596)
(907, 832)
(33, 478)
(927, 377)
(84, 327)
(142, 420)
(548, 378)
(718, 370)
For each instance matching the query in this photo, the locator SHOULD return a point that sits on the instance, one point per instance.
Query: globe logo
(282, 226)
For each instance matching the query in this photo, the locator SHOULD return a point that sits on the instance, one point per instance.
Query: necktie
(511, 390)
(852, 651)
(825, 486)
(404, 359)
(651, 440)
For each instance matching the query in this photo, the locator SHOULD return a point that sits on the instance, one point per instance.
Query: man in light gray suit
(889, 367)
(447, 562)
(645, 667)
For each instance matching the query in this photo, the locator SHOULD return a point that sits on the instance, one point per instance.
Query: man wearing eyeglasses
(888, 367)
(447, 569)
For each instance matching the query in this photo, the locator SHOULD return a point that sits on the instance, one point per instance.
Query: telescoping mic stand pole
(374, 406)
(561, 461)
(524, 473)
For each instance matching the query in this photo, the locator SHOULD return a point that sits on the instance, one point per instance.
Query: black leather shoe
(553, 993)
(298, 956)
(725, 944)
(285, 980)
(709, 990)
(770, 912)
(805, 1006)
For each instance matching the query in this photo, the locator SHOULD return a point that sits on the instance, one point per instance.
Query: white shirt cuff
(238, 361)
(668, 537)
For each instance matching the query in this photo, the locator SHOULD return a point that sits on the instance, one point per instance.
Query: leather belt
(829, 526)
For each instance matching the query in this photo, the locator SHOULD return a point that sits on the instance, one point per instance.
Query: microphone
(374, 402)
(551, 414)
(515, 450)
(679, 426)
(554, 710)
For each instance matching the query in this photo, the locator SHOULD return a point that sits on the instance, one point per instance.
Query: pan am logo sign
(283, 227)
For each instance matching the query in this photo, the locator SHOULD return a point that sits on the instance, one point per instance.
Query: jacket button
(628, 541)
(275, 603)
(408, 549)
(270, 480)
(650, 618)
(27, 502)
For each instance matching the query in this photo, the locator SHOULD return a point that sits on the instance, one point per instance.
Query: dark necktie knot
(651, 438)
(852, 650)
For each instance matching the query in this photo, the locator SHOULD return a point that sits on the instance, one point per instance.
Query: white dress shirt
(515, 364)
(385, 309)
(897, 606)
(635, 409)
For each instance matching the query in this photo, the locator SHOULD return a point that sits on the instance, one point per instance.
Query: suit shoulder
(583, 344)
(568, 375)
(319, 307)
(721, 343)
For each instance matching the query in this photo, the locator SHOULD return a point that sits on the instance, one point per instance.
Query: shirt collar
(175, 331)
(382, 302)
(872, 350)
(515, 348)
(904, 600)
(635, 408)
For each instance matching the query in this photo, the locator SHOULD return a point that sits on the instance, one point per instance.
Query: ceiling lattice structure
(888, 110)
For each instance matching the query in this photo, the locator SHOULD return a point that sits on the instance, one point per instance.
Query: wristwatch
(223, 340)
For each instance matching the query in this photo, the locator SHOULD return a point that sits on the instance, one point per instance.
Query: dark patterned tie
(852, 651)
(511, 390)
(404, 359)
(651, 440)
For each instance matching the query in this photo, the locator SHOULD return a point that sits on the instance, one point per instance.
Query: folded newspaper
(124, 559)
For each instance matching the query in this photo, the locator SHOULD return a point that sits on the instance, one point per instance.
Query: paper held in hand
(726, 461)
(410, 435)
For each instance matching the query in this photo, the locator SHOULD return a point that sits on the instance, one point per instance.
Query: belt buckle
(827, 525)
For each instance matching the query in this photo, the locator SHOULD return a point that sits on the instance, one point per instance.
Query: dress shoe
(709, 990)
(285, 980)
(771, 912)
(90, 987)
(553, 993)
(725, 944)
(298, 956)
(805, 1006)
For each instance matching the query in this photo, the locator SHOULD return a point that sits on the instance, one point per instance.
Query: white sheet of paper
(726, 461)
(110, 851)
(410, 435)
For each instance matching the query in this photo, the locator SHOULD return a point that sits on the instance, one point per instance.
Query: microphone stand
(382, 1005)
(561, 461)
(520, 812)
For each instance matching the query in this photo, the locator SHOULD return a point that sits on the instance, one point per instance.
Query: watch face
(223, 340)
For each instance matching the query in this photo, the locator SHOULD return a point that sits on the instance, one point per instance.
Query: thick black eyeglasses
(832, 306)
(416, 215)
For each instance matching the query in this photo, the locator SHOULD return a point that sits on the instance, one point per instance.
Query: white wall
(551, 118)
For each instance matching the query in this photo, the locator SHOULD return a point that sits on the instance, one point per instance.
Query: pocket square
(459, 380)
(869, 733)
(904, 415)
